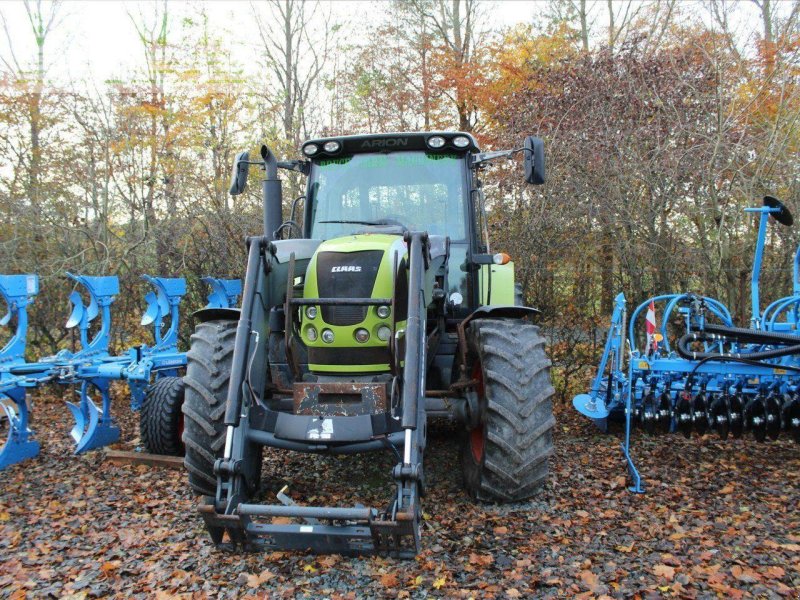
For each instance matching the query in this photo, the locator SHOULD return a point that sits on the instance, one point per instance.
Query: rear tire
(505, 459)
(208, 371)
(161, 419)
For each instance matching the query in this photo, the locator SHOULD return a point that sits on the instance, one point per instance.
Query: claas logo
(346, 269)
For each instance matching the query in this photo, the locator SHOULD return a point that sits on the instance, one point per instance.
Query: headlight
(311, 334)
(461, 141)
(332, 146)
(310, 149)
(311, 312)
(383, 311)
(327, 336)
(361, 335)
(436, 141)
(384, 333)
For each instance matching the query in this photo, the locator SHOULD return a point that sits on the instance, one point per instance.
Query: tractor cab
(395, 183)
(373, 185)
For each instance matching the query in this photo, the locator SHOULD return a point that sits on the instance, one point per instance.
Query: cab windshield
(419, 190)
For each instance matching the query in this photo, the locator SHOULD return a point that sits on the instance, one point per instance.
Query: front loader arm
(408, 473)
(393, 530)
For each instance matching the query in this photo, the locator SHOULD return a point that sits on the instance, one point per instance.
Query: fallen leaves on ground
(720, 519)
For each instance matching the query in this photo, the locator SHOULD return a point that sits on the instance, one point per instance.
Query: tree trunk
(769, 50)
(584, 26)
(607, 270)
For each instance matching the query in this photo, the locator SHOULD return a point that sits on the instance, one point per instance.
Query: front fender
(216, 314)
(501, 311)
(496, 311)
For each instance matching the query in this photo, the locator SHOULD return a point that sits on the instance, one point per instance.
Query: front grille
(371, 355)
(346, 282)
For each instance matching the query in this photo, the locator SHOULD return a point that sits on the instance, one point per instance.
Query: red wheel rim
(477, 436)
(476, 443)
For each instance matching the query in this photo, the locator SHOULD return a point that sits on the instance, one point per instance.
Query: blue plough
(716, 377)
(17, 291)
(91, 366)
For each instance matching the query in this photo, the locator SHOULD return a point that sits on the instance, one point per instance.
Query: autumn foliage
(659, 130)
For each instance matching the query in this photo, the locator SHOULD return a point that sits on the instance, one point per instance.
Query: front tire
(208, 371)
(505, 458)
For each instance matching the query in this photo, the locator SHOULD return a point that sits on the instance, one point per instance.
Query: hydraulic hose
(753, 335)
(716, 333)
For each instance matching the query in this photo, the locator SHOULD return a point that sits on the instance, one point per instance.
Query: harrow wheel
(700, 413)
(755, 417)
(791, 418)
(772, 408)
(161, 419)
(736, 412)
(664, 412)
(683, 414)
(720, 415)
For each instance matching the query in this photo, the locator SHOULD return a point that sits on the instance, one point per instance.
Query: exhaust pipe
(272, 194)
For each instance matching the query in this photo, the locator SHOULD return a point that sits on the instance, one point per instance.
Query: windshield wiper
(378, 222)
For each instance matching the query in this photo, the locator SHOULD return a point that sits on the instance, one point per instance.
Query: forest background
(662, 120)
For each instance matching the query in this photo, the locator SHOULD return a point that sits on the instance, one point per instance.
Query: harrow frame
(727, 386)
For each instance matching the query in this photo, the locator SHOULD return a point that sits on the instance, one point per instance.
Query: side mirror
(241, 166)
(534, 160)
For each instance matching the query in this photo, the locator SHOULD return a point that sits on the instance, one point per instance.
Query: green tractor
(381, 308)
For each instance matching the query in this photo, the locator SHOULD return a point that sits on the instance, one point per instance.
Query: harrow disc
(700, 413)
(649, 414)
(664, 413)
(772, 407)
(791, 418)
(783, 216)
(755, 417)
(736, 415)
(720, 415)
(683, 414)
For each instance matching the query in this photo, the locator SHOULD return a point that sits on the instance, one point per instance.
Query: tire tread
(207, 372)
(159, 421)
(518, 411)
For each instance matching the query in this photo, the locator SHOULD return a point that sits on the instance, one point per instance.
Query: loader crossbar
(340, 301)
(324, 530)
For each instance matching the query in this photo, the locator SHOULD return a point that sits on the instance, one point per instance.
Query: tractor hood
(353, 337)
(355, 266)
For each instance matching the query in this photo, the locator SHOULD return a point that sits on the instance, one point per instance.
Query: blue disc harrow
(697, 372)
(91, 367)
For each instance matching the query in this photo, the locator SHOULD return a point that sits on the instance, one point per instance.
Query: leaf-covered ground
(721, 519)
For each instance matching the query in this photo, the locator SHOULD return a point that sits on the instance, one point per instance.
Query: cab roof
(389, 142)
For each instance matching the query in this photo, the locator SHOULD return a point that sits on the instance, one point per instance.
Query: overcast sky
(98, 36)
(96, 39)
